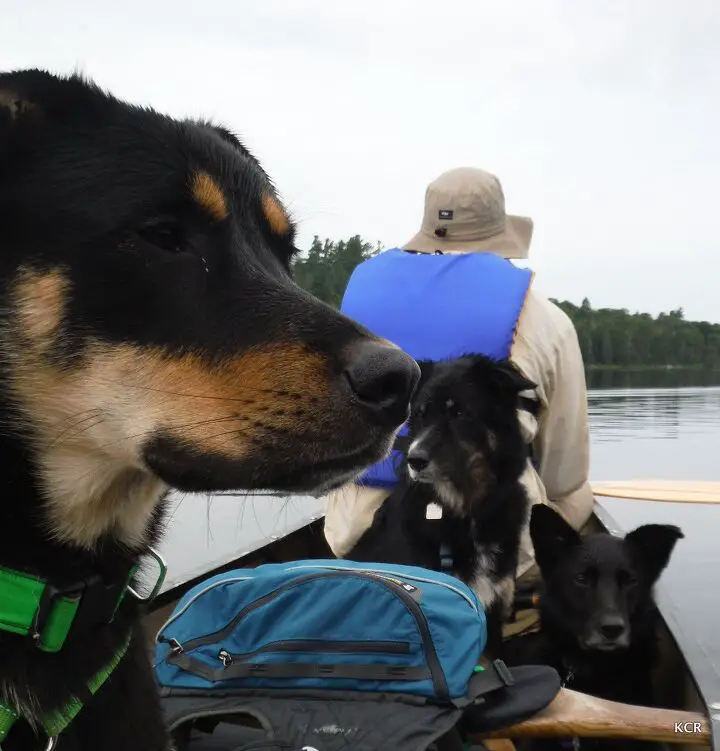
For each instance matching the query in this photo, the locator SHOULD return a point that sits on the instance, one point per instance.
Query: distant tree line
(609, 337)
(326, 268)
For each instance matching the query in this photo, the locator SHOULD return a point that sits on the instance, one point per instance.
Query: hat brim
(513, 242)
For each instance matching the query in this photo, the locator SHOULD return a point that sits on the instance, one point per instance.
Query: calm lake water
(643, 425)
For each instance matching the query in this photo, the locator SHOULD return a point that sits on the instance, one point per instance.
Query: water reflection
(660, 414)
(654, 430)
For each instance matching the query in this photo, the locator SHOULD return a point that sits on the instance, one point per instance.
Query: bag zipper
(203, 591)
(396, 575)
(319, 645)
(236, 579)
(431, 656)
(442, 692)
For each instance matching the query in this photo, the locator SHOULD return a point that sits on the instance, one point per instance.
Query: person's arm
(349, 513)
(563, 441)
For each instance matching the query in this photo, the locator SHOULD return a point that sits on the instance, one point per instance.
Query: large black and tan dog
(150, 337)
(466, 456)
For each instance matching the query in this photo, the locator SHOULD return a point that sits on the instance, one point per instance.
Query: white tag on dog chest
(433, 511)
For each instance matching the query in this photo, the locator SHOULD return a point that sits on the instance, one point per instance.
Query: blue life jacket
(436, 307)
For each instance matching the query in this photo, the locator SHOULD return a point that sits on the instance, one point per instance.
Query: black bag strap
(370, 672)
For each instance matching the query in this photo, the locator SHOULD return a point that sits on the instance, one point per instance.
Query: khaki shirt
(547, 351)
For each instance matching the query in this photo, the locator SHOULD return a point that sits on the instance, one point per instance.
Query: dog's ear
(552, 537)
(511, 378)
(229, 137)
(653, 545)
(33, 100)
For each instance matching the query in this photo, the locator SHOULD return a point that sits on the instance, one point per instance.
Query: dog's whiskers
(190, 425)
(75, 431)
(281, 393)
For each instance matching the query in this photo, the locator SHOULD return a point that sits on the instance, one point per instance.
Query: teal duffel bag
(320, 653)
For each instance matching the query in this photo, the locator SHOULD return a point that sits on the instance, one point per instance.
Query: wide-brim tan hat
(465, 210)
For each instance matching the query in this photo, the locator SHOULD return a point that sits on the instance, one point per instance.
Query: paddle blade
(666, 491)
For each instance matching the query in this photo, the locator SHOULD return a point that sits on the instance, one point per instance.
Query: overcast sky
(601, 118)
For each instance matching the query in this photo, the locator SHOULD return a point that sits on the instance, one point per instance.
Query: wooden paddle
(572, 714)
(668, 491)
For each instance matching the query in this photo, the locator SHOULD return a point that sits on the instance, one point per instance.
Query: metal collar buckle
(159, 581)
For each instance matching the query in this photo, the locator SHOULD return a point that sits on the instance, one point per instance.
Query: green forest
(609, 337)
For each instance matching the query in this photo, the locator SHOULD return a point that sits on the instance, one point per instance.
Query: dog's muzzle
(419, 462)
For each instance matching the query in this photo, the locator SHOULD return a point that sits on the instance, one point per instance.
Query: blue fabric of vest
(436, 307)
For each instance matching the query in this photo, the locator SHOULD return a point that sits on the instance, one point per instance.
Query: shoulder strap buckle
(50, 598)
(487, 680)
(75, 607)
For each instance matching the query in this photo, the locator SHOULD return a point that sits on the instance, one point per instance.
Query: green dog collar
(33, 607)
(30, 606)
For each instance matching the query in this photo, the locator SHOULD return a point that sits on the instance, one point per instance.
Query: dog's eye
(582, 578)
(166, 235)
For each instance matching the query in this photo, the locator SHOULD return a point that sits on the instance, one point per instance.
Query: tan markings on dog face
(209, 195)
(276, 215)
(92, 422)
(39, 301)
(479, 473)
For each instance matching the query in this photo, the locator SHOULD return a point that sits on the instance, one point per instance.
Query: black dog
(150, 337)
(598, 617)
(466, 455)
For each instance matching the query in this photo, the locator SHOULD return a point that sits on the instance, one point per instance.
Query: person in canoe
(484, 304)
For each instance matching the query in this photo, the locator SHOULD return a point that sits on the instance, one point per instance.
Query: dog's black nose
(612, 628)
(383, 378)
(418, 459)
